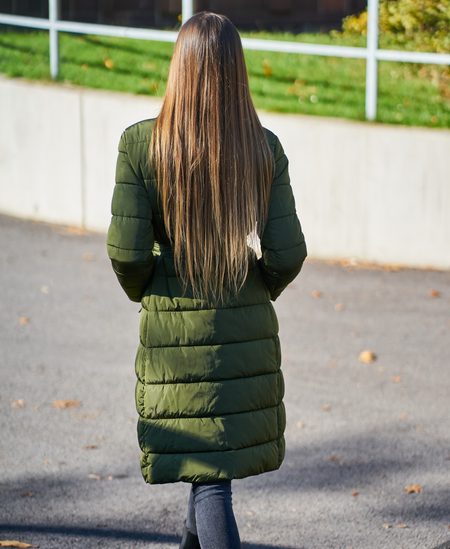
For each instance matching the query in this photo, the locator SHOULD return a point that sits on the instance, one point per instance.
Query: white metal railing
(371, 53)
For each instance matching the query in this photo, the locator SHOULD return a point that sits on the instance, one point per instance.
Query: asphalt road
(357, 434)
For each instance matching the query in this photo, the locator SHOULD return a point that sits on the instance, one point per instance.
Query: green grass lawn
(291, 83)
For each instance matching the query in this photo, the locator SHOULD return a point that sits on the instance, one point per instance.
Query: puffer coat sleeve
(283, 244)
(130, 237)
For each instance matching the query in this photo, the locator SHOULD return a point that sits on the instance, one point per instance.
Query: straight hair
(213, 164)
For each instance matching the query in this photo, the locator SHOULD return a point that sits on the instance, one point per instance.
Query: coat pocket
(261, 280)
(148, 287)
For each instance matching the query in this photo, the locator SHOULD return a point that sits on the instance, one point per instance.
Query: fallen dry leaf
(90, 447)
(267, 69)
(60, 404)
(386, 525)
(355, 493)
(300, 424)
(435, 293)
(401, 525)
(93, 476)
(334, 458)
(27, 494)
(18, 403)
(149, 66)
(367, 356)
(396, 379)
(326, 407)
(15, 543)
(108, 63)
(339, 307)
(24, 320)
(316, 293)
(413, 488)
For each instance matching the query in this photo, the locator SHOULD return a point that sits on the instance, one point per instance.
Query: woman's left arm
(130, 237)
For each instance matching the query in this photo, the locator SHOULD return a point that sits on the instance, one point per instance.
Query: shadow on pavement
(107, 535)
(103, 533)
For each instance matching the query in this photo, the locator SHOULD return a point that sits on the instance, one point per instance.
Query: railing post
(371, 61)
(54, 40)
(187, 10)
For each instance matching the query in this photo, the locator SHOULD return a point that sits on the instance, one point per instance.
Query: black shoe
(189, 540)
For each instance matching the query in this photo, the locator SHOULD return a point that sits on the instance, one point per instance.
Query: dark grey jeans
(210, 515)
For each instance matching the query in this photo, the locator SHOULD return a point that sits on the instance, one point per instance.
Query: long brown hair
(213, 164)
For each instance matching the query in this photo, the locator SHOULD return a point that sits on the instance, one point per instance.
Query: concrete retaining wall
(363, 191)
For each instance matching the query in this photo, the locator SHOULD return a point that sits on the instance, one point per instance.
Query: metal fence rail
(371, 53)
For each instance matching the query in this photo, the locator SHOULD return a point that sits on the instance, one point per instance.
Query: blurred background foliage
(422, 25)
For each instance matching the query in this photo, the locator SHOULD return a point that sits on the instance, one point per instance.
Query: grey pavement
(357, 434)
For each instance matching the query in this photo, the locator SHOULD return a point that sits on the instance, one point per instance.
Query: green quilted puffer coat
(209, 387)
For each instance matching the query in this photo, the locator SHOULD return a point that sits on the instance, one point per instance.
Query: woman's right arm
(283, 244)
